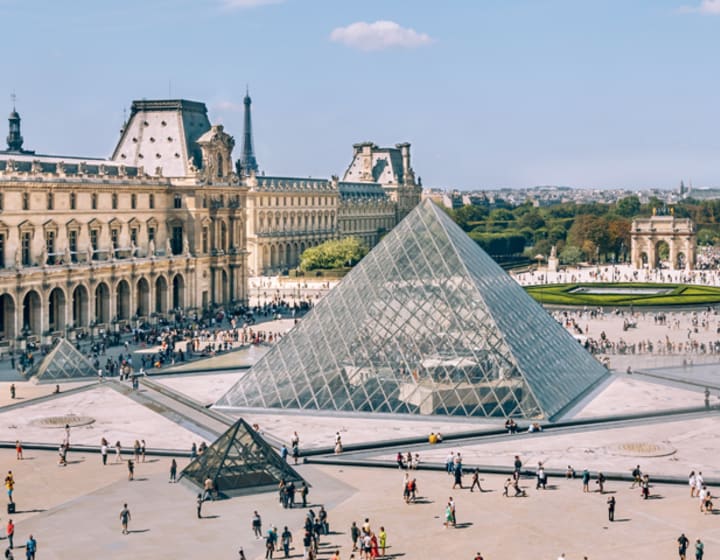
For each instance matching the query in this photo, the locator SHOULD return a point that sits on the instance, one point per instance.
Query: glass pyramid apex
(65, 362)
(240, 461)
(426, 323)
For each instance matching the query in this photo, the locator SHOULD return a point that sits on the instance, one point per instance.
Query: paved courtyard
(73, 511)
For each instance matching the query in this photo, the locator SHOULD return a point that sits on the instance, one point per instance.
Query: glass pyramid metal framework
(426, 323)
(240, 462)
(65, 362)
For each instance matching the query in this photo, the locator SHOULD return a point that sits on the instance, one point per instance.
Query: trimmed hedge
(681, 294)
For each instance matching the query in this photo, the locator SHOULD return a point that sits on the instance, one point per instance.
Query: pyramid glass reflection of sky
(426, 323)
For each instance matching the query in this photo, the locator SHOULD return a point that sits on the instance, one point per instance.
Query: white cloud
(229, 106)
(242, 4)
(711, 7)
(379, 35)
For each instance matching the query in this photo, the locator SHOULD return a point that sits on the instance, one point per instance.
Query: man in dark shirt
(682, 545)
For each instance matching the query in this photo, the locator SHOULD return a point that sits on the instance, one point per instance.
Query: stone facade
(96, 244)
(169, 222)
(648, 233)
(288, 215)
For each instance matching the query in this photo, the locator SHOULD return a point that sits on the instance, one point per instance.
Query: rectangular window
(133, 201)
(94, 234)
(25, 244)
(177, 240)
(133, 236)
(114, 235)
(205, 240)
(26, 201)
(50, 246)
(114, 201)
(93, 201)
(2, 250)
(151, 201)
(72, 244)
(151, 234)
(2, 202)
(177, 201)
(50, 201)
(73, 201)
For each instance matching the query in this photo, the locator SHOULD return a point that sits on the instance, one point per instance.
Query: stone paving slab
(82, 503)
(27, 390)
(116, 418)
(317, 430)
(679, 447)
(630, 395)
(206, 388)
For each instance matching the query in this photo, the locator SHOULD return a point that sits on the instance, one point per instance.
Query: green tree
(628, 206)
(706, 236)
(336, 253)
(570, 255)
(468, 216)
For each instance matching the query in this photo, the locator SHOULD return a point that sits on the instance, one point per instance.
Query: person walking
(699, 550)
(10, 532)
(304, 493)
(12, 391)
(586, 480)
(131, 469)
(354, 535)
(475, 481)
(611, 508)
(286, 538)
(30, 548)
(103, 451)
(173, 471)
(683, 543)
(199, 505)
(257, 525)
(143, 448)
(125, 518)
(18, 450)
(118, 449)
(382, 539)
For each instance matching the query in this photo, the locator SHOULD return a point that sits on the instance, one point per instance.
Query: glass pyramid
(426, 323)
(240, 461)
(65, 362)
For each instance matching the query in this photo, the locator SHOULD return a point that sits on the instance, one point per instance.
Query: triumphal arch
(663, 241)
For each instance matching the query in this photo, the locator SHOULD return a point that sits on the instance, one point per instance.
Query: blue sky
(491, 93)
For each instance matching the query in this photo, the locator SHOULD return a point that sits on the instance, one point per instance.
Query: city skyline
(492, 94)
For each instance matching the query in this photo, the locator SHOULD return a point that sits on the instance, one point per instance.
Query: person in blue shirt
(30, 548)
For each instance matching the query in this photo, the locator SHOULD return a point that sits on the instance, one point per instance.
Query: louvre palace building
(170, 221)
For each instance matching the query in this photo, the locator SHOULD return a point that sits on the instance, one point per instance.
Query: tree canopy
(335, 253)
(592, 231)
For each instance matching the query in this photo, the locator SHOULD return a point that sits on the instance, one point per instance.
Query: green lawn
(681, 294)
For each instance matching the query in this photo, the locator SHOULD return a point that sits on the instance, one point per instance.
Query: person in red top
(10, 532)
(18, 450)
(478, 556)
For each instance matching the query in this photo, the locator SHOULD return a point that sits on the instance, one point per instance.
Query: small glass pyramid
(240, 461)
(65, 362)
(426, 323)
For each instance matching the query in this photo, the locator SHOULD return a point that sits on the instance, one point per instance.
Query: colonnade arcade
(280, 255)
(58, 308)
